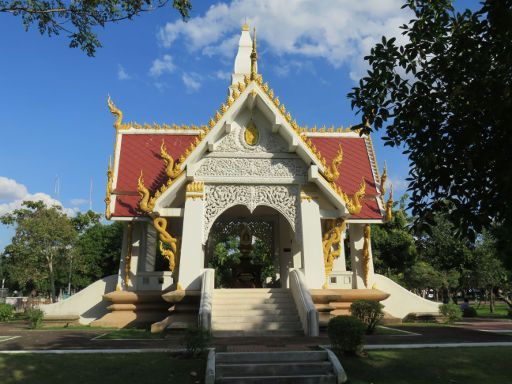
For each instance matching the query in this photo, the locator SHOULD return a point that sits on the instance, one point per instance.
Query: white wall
(402, 302)
(88, 303)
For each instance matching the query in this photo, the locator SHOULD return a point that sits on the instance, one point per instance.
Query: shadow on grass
(431, 365)
(100, 368)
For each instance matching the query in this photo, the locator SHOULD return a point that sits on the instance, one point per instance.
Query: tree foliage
(78, 19)
(445, 96)
(50, 250)
(40, 246)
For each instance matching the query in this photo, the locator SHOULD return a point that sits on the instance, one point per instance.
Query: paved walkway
(18, 338)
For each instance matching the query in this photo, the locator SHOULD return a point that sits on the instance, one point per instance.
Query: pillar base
(335, 302)
(132, 309)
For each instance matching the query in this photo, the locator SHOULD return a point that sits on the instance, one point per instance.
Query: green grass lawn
(431, 365)
(142, 368)
(500, 311)
(130, 334)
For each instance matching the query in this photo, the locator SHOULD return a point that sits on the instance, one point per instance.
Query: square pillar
(312, 252)
(131, 250)
(192, 252)
(362, 268)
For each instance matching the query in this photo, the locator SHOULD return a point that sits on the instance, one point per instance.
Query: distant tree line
(436, 261)
(51, 251)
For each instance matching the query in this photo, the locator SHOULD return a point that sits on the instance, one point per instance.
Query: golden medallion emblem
(251, 134)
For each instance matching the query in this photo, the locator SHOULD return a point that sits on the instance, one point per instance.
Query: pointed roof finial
(254, 56)
(245, 26)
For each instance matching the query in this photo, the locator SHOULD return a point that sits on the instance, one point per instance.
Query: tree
(446, 97)
(97, 253)
(393, 245)
(78, 19)
(40, 246)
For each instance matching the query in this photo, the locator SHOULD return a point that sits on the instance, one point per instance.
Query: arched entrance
(251, 250)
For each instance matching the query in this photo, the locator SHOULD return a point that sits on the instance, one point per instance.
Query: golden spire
(254, 57)
(383, 179)
(389, 205)
(245, 27)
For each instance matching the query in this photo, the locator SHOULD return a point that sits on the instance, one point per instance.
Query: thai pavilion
(253, 170)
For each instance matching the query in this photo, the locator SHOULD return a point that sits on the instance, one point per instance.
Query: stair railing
(206, 304)
(302, 297)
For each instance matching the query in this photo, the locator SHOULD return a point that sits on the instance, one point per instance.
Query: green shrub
(6, 312)
(469, 312)
(196, 340)
(345, 333)
(451, 311)
(35, 318)
(369, 312)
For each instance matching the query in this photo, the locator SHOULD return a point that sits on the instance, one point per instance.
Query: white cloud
(222, 75)
(10, 189)
(339, 31)
(163, 65)
(79, 201)
(14, 193)
(399, 185)
(191, 81)
(122, 74)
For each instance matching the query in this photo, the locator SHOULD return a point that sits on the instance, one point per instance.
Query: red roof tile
(141, 152)
(355, 165)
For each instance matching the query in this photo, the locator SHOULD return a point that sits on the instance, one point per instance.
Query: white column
(356, 233)
(192, 252)
(137, 234)
(312, 253)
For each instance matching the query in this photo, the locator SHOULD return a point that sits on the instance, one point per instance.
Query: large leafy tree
(96, 253)
(446, 97)
(40, 247)
(78, 19)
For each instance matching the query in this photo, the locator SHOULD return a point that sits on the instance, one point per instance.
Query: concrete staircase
(255, 312)
(274, 367)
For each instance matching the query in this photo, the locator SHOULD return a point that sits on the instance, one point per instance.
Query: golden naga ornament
(251, 134)
(108, 195)
(168, 244)
(172, 169)
(331, 245)
(389, 205)
(144, 203)
(118, 124)
(332, 173)
(128, 257)
(354, 204)
(366, 254)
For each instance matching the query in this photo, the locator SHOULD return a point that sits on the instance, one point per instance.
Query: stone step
(254, 306)
(253, 296)
(242, 318)
(255, 333)
(242, 300)
(274, 369)
(251, 290)
(226, 310)
(268, 357)
(309, 379)
(270, 325)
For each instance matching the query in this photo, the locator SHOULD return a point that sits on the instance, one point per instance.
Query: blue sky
(54, 119)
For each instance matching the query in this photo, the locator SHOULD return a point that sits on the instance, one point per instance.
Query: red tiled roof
(355, 165)
(141, 152)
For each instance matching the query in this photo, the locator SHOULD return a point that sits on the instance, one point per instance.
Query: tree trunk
(491, 301)
(52, 282)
